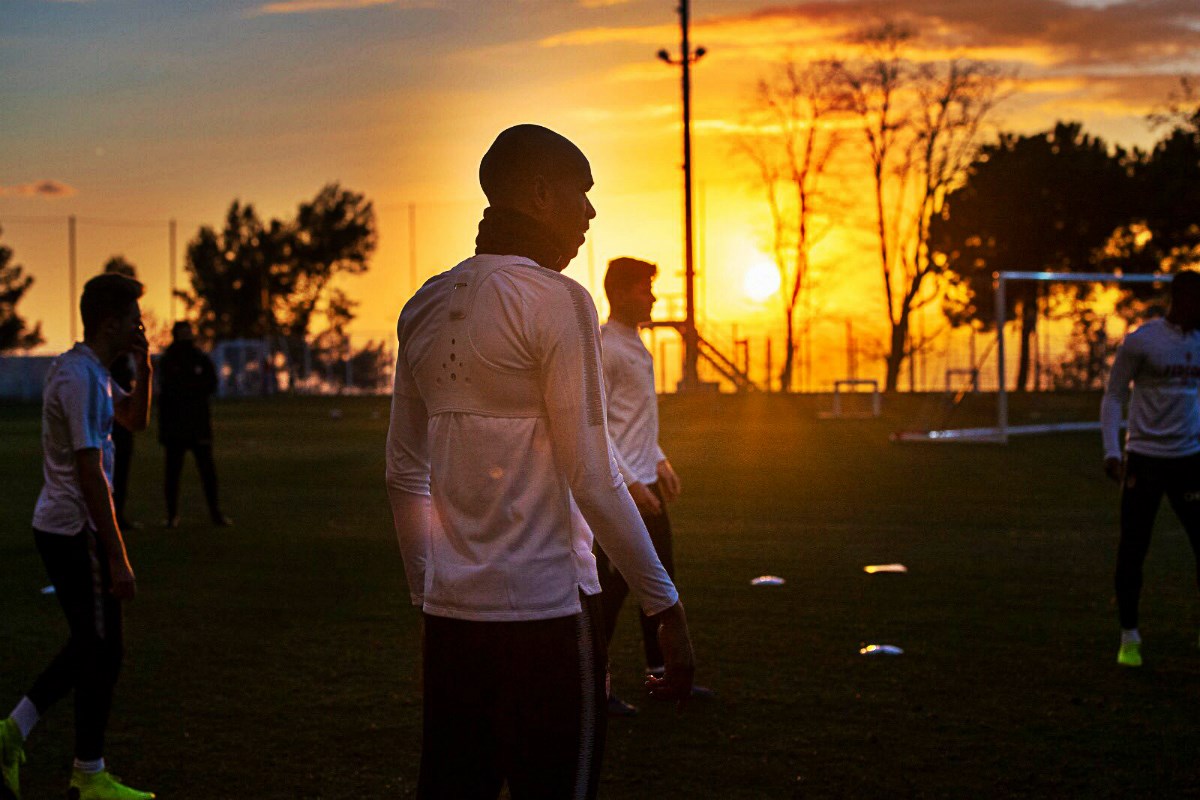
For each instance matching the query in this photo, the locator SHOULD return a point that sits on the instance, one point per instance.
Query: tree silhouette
(1050, 201)
(257, 279)
(920, 125)
(14, 333)
(790, 149)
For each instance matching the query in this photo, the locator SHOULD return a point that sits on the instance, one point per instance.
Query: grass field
(277, 659)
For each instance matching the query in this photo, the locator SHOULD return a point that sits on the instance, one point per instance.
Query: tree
(920, 125)
(14, 333)
(267, 279)
(790, 149)
(1051, 201)
(1169, 181)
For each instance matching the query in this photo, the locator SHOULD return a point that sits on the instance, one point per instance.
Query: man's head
(628, 285)
(182, 331)
(1185, 300)
(542, 174)
(111, 316)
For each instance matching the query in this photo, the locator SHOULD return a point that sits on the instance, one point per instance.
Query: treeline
(951, 202)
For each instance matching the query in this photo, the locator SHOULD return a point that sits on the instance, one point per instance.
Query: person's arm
(1116, 395)
(133, 410)
(565, 333)
(668, 482)
(408, 476)
(97, 496)
(210, 375)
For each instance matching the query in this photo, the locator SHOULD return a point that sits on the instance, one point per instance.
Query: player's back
(505, 541)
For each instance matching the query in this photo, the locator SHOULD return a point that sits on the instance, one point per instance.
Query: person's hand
(1112, 468)
(668, 481)
(139, 346)
(124, 585)
(676, 681)
(645, 500)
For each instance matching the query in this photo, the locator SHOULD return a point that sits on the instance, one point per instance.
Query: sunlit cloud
(318, 6)
(49, 189)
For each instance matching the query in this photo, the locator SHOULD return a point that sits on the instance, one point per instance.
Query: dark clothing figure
(185, 421)
(91, 660)
(1146, 480)
(122, 371)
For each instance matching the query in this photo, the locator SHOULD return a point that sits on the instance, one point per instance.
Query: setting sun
(760, 281)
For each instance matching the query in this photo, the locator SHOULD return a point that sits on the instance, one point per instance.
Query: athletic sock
(26, 716)
(89, 767)
(1129, 635)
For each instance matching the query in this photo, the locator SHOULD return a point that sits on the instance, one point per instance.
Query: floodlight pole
(691, 336)
(72, 301)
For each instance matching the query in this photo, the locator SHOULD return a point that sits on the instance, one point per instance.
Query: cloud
(318, 6)
(1038, 32)
(50, 189)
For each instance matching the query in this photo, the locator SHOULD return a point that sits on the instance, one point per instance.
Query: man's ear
(540, 193)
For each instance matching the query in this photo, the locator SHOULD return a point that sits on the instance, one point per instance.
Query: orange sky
(145, 111)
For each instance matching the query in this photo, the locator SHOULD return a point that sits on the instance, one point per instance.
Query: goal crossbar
(1003, 430)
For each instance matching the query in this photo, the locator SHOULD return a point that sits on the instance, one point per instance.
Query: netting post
(1001, 387)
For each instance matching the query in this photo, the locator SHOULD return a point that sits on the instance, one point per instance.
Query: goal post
(1004, 429)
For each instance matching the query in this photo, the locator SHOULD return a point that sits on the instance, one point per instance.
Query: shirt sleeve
(565, 334)
(1116, 395)
(407, 474)
(83, 401)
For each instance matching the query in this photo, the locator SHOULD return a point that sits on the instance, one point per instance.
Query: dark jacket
(187, 379)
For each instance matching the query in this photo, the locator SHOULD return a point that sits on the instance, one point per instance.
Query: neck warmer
(505, 232)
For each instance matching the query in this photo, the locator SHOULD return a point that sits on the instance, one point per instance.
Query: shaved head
(522, 153)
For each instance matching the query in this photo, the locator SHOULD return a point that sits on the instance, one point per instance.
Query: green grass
(278, 659)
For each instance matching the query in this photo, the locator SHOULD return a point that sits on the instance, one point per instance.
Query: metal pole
(172, 263)
(412, 245)
(690, 335)
(1001, 389)
(770, 377)
(73, 299)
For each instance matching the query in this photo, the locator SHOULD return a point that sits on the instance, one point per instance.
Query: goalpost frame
(1003, 430)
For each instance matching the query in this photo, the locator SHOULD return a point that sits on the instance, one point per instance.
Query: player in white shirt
(498, 472)
(1162, 447)
(633, 430)
(77, 534)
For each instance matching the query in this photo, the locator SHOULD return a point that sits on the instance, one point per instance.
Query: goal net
(1041, 416)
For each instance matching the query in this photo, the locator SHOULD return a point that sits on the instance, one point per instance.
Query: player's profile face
(570, 209)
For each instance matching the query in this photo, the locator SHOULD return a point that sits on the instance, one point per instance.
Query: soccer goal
(1003, 429)
(857, 410)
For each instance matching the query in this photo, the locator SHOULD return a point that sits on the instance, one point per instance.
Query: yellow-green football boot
(102, 785)
(12, 756)
(1130, 654)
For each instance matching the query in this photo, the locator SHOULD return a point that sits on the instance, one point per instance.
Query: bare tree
(920, 125)
(790, 146)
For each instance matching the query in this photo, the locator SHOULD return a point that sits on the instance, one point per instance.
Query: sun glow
(760, 281)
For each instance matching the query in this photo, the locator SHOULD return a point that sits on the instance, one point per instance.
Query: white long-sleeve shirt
(1163, 364)
(632, 402)
(498, 449)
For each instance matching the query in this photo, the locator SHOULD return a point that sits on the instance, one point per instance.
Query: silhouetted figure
(633, 431)
(498, 424)
(1162, 446)
(122, 372)
(78, 537)
(187, 380)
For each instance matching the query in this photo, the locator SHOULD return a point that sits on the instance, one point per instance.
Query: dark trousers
(1146, 480)
(515, 702)
(122, 459)
(614, 589)
(90, 661)
(174, 469)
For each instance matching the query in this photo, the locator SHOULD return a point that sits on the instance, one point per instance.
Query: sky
(128, 114)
